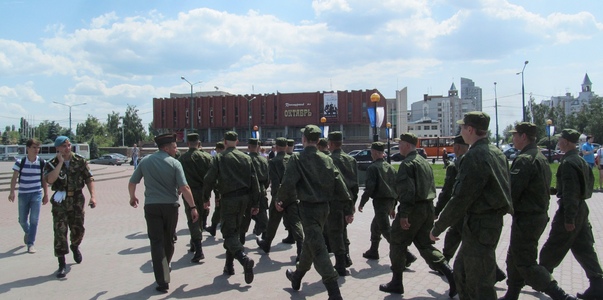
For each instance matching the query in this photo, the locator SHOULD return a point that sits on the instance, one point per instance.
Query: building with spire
(571, 104)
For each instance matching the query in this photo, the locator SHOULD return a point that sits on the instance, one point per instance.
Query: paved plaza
(116, 258)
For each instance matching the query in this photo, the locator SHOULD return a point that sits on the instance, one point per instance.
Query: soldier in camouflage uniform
(234, 174)
(261, 168)
(381, 187)
(318, 184)
(323, 146)
(571, 229)
(416, 190)
(530, 189)
(67, 174)
(337, 225)
(215, 217)
(291, 218)
(195, 164)
(290, 239)
(482, 196)
(452, 241)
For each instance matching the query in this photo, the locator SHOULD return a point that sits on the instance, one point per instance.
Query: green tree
(113, 129)
(90, 128)
(54, 130)
(94, 153)
(133, 128)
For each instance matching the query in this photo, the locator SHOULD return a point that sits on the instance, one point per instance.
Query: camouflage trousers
(68, 215)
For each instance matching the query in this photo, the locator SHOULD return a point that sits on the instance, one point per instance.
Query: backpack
(42, 163)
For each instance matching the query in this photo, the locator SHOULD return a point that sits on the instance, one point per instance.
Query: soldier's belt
(73, 193)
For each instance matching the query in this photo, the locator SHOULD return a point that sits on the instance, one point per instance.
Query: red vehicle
(434, 146)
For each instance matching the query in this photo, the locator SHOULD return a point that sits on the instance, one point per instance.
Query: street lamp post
(496, 113)
(70, 106)
(523, 92)
(550, 131)
(249, 113)
(389, 137)
(191, 109)
(375, 98)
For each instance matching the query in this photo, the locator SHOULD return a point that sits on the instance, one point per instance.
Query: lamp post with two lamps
(375, 98)
(70, 106)
(523, 92)
(192, 104)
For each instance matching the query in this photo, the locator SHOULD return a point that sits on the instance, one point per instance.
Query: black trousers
(161, 225)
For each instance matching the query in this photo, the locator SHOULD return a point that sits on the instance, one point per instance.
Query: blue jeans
(29, 205)
(135, 161)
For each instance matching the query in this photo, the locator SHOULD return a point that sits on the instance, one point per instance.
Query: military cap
(220, 145)
(166, 138)
(311, 132)
(323, 142)
(476, 119)
(408, 137)
(253, 141)
(231, 136)
(570, 135)
(336, 136)
(60, 140)
(459, 140)
(281, 142)
(379, 146)
(528, 128)
(192, 137)
(290, 142)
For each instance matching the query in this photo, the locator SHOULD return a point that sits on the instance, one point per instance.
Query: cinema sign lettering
(296, 110)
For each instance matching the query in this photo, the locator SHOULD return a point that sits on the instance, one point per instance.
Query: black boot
(289, 239)
(298, 245)
(333, 290)
(500, 275)
(192, 248)
(594, 291)
(348, 259)
(395, 286)
(263, 244)
(556, 293)
(295, 277)
(340, 265)
(198, 252)
(62, 266)
(247, 264)
(373, 252)
(447, 271)
(211, 229)
(410, 258)
(512, 293)
(77, 255)
(242, 238)
(229, 264)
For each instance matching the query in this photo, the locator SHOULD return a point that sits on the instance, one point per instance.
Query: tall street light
(523, 92)
(191, 109)
(496, 113)
(375, 98)
(249, 113)
(70, 106)
(389, 137)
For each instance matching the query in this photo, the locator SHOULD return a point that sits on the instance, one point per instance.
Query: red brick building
(275, 115)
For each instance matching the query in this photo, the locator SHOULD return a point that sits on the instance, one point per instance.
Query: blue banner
(371, 114)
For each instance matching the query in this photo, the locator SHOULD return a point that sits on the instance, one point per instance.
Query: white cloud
(321, 6)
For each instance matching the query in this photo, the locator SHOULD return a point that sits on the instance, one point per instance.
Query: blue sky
(112, 53)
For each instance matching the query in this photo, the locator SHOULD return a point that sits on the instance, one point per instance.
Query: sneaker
(31, 249)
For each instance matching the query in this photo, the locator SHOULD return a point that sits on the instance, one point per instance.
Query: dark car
(511, 153)
(555, 155)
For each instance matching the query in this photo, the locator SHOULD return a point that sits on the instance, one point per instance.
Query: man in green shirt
(530, 189)
(215, 217)
(571, 229)
(317, 183)
(232, 171)
(482, 196)
(381, 187)
(164, 179)
(416, 190)
(195, 164)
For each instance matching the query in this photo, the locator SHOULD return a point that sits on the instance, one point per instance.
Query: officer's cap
(323, 142)
(290, 142)
(311, 132)
(281, 142)
(336, 136)
(379, 146)
(476, 119)
(571, 135)
(192, 137)
(528, 128)
(253, 141)
(231, 136)
(166, 138)
(220, 145)
(408, 137)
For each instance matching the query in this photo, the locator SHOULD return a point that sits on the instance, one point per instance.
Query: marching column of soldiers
(314, 192)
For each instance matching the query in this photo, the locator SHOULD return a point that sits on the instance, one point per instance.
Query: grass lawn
(439, 173)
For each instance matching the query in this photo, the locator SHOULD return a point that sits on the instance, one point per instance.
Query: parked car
(139, 159)
(269, 142)
(125, 158)
(108, 160)
(555, 155)
(298, 147)
(511, 153)
(353, 152)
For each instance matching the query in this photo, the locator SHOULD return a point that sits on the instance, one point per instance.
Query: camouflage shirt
(482, 186)
(530, 181)
(380, 182)
(348, 168)
(73, 175)
(446, 192)
(195, 164)
(575, 182)
(414, 183)
(276, 170)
